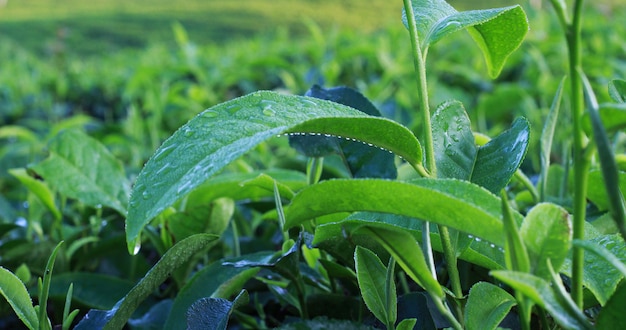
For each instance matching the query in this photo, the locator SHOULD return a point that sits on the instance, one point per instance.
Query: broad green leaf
(80, 167)
(617, 90)
(221, 134)
(331, 238)
(407, 324)
(216, 280)
(612, 315)
(547, 136)
(362, 161)
(213, 313)
(596, 191)
(211, 219)
(487, 305)
(154, 318)
(599, 276)
(457, 204)
(371, 275)
(541, 293)
(498, 160)
(405, 250)
(608, 165)
(17, 296)
(453, 141)
(612, 115)
(171, 260)
(547, 234)
(90, 289)
(498, 32)
(39, 188)
(238, 186)
(602, 252)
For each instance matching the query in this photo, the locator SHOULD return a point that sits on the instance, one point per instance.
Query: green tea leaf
(596, 191)
(498, 160)
(547, 234)
(405, 250)
(599, 276)
(213, 313)
(612, 315)
(17, 296)
(453, 141)
(90, 289)
(172, 259)
(498, 32)
(457, 204)
(487, 305)
(617, 90)
(221, 134)
(210, 219)
(39, 188)
(612, 116)
(82, 168)
(363, 161)
(547, 136)
(371, 275)
(216, 280)
(542, 294)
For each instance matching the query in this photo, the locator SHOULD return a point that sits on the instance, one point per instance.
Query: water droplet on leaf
(210, 114)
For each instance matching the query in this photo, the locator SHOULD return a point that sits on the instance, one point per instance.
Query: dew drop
(164, 151)
(268, 111)
(477, 239)
(188, 132)
(136, 245)
(145, 195)
(233, 108)
(309, 103)
(210, 114)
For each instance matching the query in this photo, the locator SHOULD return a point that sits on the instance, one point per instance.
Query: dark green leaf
(221, 134)
(498, 32)
(457, 204)
(487, 305)
(90, 289)
(210, 219)
(213, 313)
(154, 318)
(498, 160)
(323, 322)
(362, 160)
(216, 281)
(612, 315)
(547, 234)
(171, 260)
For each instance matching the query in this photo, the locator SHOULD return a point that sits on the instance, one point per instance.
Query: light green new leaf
(371, 275)
(16, 294)
(408, 254)
(457, 204)
(540, 291)
(547, 234)
(82, 168)
(487, 305)
(221, 134)
(498, 32)
(39, 188)
(547, 136)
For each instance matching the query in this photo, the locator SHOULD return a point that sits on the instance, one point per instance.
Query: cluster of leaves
(277, 238)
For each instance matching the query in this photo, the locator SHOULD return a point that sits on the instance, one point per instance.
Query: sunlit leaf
(487, 305)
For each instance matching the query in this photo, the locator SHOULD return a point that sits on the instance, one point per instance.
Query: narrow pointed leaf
(547, 234)
(547, 136)
(498, 160)
(80, 167)
(408, 254)
(457, 204)
(498, 32)
(170, 261)
(370, 273)
(17, 296)
(221, 134)
(39, 188)
(487, 305)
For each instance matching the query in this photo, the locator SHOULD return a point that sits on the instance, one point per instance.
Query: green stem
(451, 260)
(581, 164)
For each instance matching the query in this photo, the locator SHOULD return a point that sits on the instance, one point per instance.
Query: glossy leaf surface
(487, 305)
(221, 134)
(14, 291)
(457, 204)
(498, 32)
(213, 313)
(80, 167)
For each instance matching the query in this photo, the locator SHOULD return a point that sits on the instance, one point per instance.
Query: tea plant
(499, 249)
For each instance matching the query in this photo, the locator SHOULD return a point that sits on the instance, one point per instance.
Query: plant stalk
(581, 163)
